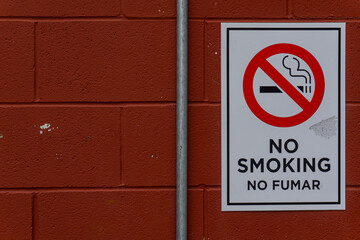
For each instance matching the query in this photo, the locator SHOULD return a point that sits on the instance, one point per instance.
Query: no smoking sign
(283, 116)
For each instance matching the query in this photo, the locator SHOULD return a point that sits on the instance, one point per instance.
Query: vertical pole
(181, 120)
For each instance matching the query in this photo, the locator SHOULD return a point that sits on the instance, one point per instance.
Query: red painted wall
(87, 121)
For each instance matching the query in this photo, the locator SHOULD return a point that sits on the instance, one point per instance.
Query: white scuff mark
(216, 53)
(326, 128)
(46, 126)
(1, 136)
(152, 156)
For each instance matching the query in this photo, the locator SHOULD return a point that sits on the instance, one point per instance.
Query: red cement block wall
(87, 121)
(139, 214)
(16, 216)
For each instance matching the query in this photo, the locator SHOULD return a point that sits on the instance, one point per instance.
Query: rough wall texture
(87, 121)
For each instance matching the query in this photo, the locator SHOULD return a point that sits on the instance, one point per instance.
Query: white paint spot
(216, 53)
(45, 126)
(1, 136)
(326, 128)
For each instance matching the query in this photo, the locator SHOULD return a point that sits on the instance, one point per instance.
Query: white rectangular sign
(283, 116)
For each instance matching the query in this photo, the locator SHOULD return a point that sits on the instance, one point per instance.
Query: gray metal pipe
(181, 119)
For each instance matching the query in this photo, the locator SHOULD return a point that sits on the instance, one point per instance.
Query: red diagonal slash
(284, 84)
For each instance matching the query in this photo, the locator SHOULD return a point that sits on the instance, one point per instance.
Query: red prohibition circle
(308, 107)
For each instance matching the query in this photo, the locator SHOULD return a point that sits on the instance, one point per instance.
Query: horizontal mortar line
(120, 188)
(208, 19)
(92, 19)
(97, 104)
(213, 188)
(87, 104)
(121, 103)
(352, 103)
(202, 186)
(80, 189)
(46, 18)
(156, 18)
(215, 18)
(327, 18)
(248, 19)
(125, 18)
(40, 189)
(349, 187)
